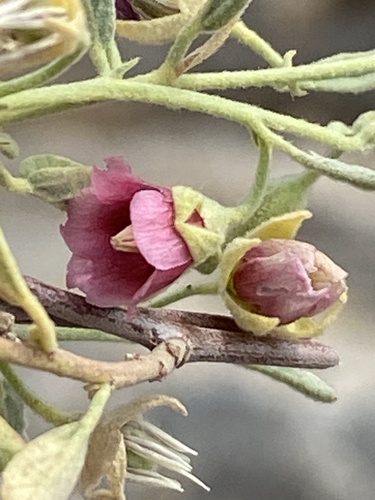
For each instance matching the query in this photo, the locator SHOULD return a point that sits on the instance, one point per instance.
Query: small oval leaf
(303, 381)
(55, 178)
(358, 176)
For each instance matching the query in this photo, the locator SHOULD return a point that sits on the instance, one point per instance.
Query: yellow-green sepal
(283, 226)
(243, 316)
(203, 242)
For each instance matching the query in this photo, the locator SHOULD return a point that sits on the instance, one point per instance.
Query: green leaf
(14, 290)
(104, 17)
(343, 85)
(10, 443)
(218, 13)
(12, 408)
(35, 163)
(356, 175)
(302, 381)
(55, 178)
(48, 467)
(283, 195)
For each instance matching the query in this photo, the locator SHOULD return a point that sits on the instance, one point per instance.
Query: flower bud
(274, 284)
(288, 279)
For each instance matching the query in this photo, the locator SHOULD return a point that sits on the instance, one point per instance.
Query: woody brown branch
(209, 337)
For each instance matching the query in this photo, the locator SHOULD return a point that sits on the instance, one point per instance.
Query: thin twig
(155, 366)
(42, 408)
(209, 337)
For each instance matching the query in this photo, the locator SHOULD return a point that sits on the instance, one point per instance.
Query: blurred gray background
(257, 439)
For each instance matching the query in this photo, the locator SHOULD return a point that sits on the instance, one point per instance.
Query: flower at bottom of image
(126, 448)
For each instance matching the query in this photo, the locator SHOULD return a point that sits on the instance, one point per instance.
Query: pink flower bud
(288, 280)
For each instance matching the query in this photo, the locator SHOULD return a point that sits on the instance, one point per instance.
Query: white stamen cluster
(161, 450)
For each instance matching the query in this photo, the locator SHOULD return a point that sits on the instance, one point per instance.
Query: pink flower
(122, 234)
(288, 279)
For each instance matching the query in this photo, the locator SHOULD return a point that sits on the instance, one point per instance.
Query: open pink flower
(288, 279)
(122, 234)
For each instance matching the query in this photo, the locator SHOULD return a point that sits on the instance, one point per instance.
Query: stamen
(124, 241)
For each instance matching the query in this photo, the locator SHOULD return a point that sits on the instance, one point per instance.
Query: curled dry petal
(124, 447)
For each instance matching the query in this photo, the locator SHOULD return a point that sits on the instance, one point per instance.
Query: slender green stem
(240, 215)
(274, 77)
(113, 55)
(250, 38)
(38, 102)
(11, 183)
(42, 75)
(183, 42)
(67, 334)
(99, 57)
(209, 288)
(167, 72)
(45, 410)
(255, 197)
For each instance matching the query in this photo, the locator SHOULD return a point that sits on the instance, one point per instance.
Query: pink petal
(116, 184)
(157, 281)
(278, 274)
(110, 277)
(304, 251)
(152, 217)
(109, 282)
(90, 224)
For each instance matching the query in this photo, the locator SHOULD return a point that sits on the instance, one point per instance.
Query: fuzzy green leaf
(55, 178)
(302, 381)
(12, 408)
(8, 146)
(358, 176)
(218, 13)
(10, 443)
(49, 466)
(283, 195)
(104, 17)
